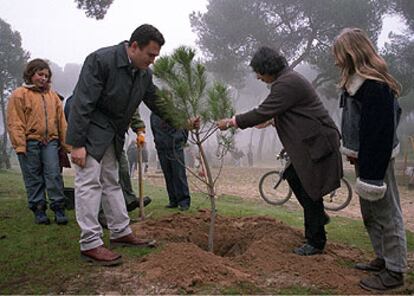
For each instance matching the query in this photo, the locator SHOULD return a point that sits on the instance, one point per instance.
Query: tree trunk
(5, 159)
(211, 195)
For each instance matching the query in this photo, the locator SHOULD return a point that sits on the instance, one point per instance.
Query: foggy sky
(58, 31)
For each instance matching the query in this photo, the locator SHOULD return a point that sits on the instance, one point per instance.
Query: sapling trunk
(186, 94)
(212, 196)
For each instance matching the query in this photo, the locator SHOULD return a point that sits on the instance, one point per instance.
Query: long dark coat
(305, 129)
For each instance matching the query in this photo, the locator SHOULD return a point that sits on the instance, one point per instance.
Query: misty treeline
(231, 30)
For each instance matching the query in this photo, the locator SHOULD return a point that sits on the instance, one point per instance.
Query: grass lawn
(38, 259)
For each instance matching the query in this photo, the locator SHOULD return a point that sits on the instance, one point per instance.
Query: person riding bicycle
(308, 134)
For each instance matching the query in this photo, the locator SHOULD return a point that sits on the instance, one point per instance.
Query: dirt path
(244, 182)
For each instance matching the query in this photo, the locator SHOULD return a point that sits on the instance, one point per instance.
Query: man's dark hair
(146, 33)
(34, 66)
(268, 61)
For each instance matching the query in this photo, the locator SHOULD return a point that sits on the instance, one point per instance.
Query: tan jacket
(32, 115)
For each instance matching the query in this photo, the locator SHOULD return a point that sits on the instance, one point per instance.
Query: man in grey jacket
(113, 82)
(308, 135)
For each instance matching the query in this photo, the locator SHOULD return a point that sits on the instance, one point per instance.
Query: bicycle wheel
(274, 189)
(339, 198)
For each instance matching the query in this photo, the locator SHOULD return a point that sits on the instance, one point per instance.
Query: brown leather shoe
(101, 256)
(131, 240)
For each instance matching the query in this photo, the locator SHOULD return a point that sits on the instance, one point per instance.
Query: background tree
(400, 57)
(186, 90)
(303, 30)
(94, 8)
(12, 61)
(231, 30)
(406, 9)
(399, 53)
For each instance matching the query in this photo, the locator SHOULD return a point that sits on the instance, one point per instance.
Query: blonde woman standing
(369, 122)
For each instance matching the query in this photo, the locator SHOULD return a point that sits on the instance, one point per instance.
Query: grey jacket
(305, 129)
(351, 122)
(107, 94)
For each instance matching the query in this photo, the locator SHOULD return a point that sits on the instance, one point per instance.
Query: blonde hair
(355, 54)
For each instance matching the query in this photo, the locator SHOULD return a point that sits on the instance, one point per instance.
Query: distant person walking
(308, 135)
(370, 118)
(37, 128)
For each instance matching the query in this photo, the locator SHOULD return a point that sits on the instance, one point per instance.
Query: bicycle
(275, 190)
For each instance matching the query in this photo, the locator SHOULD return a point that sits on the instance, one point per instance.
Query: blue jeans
(41, 173)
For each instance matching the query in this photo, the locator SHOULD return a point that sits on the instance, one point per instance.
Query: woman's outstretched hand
(225, 124)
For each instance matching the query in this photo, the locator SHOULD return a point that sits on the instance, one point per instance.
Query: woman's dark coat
(305, 129)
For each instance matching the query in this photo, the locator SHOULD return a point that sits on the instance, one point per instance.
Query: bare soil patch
(251, 252)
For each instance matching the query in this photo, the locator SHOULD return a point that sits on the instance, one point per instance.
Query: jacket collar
(123, 59)
(35, 88)
(285, 70)
(354, 83)
(122, 56)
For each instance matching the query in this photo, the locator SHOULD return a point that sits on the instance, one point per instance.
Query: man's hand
(352, 160)
(140, 138)
(78, 156)
(194, 123)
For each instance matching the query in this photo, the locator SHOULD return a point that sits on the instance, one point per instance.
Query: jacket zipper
(44, 107)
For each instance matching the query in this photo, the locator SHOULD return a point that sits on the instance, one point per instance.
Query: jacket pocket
(103, 125)
(318, 146)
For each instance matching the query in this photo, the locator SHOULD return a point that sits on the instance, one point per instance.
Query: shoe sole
(101, 263)
(363, 286)
(307, 255)
(320, 252)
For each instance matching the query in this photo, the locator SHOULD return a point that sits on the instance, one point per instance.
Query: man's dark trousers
(172, 164)
(125, 181)
(314, 211)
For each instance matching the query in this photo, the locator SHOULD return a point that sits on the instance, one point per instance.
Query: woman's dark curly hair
(268, 61)
(32, 67)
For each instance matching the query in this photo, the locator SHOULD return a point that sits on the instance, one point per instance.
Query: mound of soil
(253, 252)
